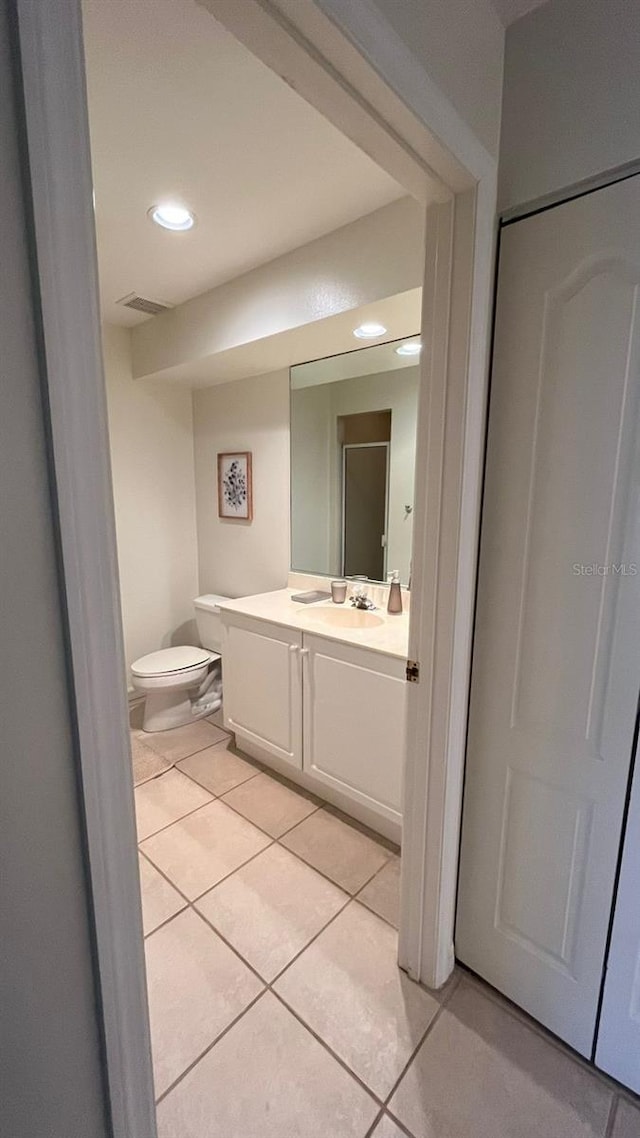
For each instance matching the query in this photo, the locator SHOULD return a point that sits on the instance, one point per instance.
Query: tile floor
(277, 1008)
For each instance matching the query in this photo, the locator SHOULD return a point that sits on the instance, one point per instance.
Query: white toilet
(183, 684)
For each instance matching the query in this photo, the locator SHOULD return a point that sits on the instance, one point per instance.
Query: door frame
(348, 62)
(343, 498)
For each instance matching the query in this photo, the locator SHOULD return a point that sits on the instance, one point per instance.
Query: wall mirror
(353, 443)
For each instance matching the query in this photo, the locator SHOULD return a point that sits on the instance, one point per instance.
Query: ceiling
(180, 110)
(511, 10)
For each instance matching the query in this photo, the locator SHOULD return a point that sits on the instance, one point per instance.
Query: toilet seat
(172, 661)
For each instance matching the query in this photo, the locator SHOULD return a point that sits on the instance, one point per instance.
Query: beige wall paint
(240, 558)
(151, 437)
(571, 92)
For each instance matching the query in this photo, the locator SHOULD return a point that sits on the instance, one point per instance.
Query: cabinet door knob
(304, 651)
(293, 647)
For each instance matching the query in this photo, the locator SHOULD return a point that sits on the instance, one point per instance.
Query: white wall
(571, 96)
(50, 1062)
(238, 558)
(459, 43)
(151, 439)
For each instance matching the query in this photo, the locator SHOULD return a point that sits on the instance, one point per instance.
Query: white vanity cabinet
(262, 677)
(334, 712)
(354, 722)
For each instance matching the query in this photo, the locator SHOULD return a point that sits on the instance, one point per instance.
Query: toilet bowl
(184, 683)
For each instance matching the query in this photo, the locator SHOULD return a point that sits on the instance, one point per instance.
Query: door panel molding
(557, 641)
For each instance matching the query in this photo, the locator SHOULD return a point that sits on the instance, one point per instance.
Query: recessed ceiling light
(410, 348)
(369, 331)
(172, 216)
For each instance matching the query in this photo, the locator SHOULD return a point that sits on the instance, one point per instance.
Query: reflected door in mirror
(365, 497)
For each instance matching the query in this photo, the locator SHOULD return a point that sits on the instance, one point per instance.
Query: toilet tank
(208, 621)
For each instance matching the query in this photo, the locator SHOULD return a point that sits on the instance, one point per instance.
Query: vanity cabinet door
(262, 679)
(354, 722)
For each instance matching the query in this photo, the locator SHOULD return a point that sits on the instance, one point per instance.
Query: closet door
(618, 1050)
(557, 645)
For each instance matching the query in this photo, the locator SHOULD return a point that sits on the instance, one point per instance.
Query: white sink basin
(344, 618)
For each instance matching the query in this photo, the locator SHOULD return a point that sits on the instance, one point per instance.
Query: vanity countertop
(390, 633)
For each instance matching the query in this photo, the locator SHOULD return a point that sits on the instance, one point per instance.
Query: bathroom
(308, 369)
(289, 344)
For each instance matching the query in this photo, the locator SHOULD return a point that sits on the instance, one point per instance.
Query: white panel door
(618, 1049)
(557, 646)
(354, 722)
(262, 680)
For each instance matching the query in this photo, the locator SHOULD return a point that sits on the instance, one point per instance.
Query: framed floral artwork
(235, 495)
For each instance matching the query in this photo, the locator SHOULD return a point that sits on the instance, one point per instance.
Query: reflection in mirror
(353, 442)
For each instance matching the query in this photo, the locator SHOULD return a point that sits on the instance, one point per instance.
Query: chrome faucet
(360, 600)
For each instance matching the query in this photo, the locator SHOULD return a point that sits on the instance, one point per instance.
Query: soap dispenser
(394, 604)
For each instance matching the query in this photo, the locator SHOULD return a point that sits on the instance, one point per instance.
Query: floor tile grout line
(196, 752)
(627, 1095)
(258, 827)
(376, 913)
(163, 874)
(193, 903)
(180, 819)
(353, 823)
(284, 782)
(213, 798)
(425, 1035)
(386, 1114)
(525, 1020)
(221, 798)
(611, 1117)
(319, 933)
(350, 897)
(236, 951)
(357, 827)
(272, 841)
(345, 1066)
(374, 1125)
(474, 982)
(269, 983)
(209, 1048)
(170, 764)
(242, 782)
(152, 777)
(268, 986)
(166, 921)
(377, 873)
(285, 833)
(193, 900)
(322, 873)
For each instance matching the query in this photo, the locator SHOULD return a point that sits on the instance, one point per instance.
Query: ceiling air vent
(143, 304)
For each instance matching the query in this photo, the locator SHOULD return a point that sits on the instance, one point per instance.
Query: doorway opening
(56, 111)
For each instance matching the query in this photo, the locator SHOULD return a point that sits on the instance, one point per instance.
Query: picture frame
(235, 486)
